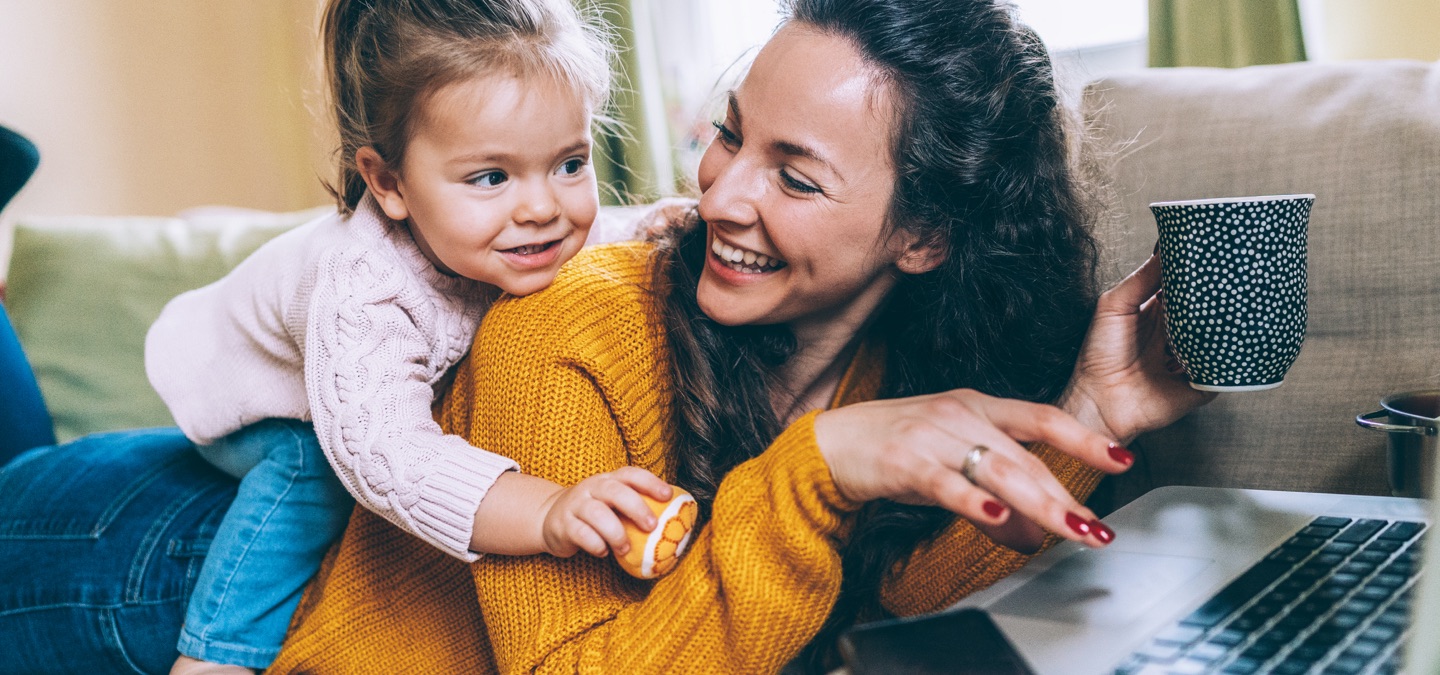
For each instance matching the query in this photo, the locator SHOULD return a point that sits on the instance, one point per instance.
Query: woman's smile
(726, 257)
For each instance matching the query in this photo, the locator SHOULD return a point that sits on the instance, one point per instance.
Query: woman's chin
(728, 306)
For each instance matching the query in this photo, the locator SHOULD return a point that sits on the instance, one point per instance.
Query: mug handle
(1368, 421)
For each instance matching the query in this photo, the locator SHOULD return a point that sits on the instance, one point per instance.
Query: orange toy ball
(655, 553)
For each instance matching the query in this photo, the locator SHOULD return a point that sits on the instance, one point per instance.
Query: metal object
(972, 460)
(1413, 423)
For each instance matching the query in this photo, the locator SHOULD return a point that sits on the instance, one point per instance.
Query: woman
(887, 215)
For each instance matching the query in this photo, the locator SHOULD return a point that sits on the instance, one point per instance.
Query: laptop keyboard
(1335, 598)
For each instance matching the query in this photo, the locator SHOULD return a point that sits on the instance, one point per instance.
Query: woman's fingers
(1127, 296)
(1037, 496)
(1029, 422)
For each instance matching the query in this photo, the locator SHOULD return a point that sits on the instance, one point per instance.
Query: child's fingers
(626, 502)
(645, 482)
(605, 526)
(580, 536)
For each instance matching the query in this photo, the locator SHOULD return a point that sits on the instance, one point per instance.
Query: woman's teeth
(742, 260)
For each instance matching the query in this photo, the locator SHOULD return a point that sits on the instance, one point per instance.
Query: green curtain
(623, 161)
(1224, 33)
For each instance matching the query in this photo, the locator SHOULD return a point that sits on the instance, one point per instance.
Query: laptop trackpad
(1100, 587)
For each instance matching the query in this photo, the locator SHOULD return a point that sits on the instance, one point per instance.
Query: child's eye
(489, 179)
(572, 166)
(726, 137)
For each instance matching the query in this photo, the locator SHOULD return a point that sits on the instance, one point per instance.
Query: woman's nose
(536, 203)
(732, 197)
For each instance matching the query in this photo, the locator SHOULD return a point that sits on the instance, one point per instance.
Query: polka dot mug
(1233, 276)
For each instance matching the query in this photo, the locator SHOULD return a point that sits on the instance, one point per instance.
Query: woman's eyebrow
(787, 148)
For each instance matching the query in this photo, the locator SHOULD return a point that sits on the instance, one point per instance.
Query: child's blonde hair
(384, 57)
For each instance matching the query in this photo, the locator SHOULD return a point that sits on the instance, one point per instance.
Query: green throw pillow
(82, 292)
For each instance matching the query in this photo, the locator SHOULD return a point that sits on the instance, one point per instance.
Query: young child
(465, 173)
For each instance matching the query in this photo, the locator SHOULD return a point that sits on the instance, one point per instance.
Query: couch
(1363, 136)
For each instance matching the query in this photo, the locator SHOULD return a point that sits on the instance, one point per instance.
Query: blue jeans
(101, 540)
(289, 509)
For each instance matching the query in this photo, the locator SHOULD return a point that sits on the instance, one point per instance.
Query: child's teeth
(762, 260)
(749, 257)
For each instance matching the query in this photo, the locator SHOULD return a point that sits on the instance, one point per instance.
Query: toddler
(464, 174)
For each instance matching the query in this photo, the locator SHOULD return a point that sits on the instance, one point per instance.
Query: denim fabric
(24, 421)
(101, 541)
(289, 509)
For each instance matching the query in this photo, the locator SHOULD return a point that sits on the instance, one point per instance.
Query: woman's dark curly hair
(984, 171)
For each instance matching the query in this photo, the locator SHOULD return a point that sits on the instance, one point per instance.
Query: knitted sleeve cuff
(452, 494)
(796, 455)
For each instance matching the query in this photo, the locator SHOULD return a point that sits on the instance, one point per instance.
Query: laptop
(1212, 580)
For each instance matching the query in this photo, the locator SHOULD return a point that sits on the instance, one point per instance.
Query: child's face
(496, 183)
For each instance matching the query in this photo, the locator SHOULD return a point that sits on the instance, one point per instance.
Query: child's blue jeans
(289, 508)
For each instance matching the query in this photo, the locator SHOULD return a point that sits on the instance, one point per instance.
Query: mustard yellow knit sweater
(571, 382)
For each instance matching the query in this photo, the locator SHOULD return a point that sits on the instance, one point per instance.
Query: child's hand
(587, 516)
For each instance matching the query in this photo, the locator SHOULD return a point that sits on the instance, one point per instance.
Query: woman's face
(796, 187)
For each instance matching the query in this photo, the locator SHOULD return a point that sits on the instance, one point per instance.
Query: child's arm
(525, 515)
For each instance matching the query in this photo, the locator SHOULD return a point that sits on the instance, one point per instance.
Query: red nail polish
(1102, 531)
(1078, 524)
(1120, 454)
(992, 508)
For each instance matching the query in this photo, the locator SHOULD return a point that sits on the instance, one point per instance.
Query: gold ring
(972, 461)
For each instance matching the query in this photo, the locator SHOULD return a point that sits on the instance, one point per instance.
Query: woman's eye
(796, 184)
(572, 167)
(489, 179)
(725, 135)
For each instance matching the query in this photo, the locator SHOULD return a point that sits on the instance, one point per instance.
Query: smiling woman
(846, 353)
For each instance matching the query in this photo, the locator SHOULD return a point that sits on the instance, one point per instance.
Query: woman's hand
(916, 450)
(1126, 382)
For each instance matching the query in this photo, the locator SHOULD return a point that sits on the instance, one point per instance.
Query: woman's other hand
(1126, 382)
(919, 450)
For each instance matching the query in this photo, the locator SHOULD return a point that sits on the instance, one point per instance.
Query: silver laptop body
(1074, 610)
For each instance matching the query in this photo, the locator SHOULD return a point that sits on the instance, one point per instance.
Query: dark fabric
(18, 159)
(102, 540)
(24, 421)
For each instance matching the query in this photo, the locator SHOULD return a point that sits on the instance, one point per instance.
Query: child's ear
(383, 183)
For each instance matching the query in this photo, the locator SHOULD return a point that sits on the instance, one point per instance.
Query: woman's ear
(922, 255)
(383, 182)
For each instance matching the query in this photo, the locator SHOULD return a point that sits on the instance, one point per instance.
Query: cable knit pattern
(573, 382)
(342, 321)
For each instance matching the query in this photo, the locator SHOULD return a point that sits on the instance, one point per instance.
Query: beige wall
(1371, 29)
(153, 106)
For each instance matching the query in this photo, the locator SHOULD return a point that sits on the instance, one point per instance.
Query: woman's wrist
(1083, 407)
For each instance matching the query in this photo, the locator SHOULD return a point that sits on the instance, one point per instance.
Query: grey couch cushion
(1364, 137)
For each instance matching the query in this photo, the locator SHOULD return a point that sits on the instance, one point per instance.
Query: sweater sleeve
(754, 587)
(961, 560)
(368, 374)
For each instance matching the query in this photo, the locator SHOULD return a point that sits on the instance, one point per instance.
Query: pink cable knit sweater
(342, 321)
